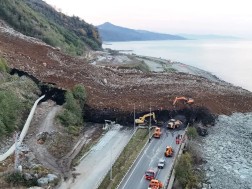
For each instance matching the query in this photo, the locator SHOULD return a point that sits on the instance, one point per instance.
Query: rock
(28, 176)
(51, 177)
(211, 168)
(43, 181)
(35, 187)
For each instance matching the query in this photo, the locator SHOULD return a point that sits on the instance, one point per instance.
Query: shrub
(10, 106)
(18, 179)
(3, 65)
(192, 132)
(184, 172)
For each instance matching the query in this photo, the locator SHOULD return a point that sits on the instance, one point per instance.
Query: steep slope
(37, 19)
(110, 32)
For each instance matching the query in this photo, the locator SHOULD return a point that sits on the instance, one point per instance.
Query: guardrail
(169, 182)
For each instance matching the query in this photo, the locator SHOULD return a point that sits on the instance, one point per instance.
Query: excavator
(168, 151)
(157, 132)
(143, 119)
(186, 100)
(155, 184)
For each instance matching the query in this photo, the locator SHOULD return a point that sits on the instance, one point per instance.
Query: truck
(155, 184)
(157, 133)
(168, 151)
(173, 124)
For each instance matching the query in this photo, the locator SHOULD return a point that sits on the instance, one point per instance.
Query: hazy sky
(229, 17)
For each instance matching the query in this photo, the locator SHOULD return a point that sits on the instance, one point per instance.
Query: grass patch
(125, 160)
(138, 66)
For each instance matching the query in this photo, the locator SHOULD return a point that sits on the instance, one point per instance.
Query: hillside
(110, 32)
(37, 19)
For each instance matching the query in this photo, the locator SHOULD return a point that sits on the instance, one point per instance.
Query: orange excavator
(157, 132)
(184, 99)
(155, 184)
(168, 151)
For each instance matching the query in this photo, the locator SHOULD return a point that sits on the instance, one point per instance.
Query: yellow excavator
(145, 118)
(184, 99)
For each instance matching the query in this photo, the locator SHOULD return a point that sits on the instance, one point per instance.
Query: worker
(177, 139)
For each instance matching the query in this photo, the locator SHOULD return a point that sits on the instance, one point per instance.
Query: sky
(223, 17)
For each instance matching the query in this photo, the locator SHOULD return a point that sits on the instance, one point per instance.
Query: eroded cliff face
(115, 91)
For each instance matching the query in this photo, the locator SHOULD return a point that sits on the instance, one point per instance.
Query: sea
(229, 60)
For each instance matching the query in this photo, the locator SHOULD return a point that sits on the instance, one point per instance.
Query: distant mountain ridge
(110, 32)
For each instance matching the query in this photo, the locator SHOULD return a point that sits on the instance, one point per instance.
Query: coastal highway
(149, 159)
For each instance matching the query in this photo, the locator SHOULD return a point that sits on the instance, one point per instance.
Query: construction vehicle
(173, 124)
(145, 118)
(157, 132)
(168, 151)
(155, 184)
(150, 174)
(184, 99)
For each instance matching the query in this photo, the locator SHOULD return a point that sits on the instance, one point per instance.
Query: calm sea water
(228, 60)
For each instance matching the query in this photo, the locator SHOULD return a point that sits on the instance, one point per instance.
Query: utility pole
(134, 119)
(150, 123)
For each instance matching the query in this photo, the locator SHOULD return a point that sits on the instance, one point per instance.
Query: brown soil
(116, 91)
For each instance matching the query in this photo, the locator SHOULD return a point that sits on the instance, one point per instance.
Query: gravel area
(227, 150)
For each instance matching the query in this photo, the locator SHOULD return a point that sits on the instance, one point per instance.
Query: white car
(161, 163)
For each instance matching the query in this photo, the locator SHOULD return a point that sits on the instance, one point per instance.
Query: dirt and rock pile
(227, 150)
(115, 91)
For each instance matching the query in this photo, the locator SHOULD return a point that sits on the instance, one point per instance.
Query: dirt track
(116, 90)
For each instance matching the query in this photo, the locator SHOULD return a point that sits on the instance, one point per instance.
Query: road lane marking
(135, 166)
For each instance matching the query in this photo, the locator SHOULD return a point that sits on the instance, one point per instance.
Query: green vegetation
(16, 98)
(71, 117)
(3, 65)
(184, 172)
(37, 19)
(192, 133)
(136, 65)
(125, 160)
(10, 106)
(18, 179)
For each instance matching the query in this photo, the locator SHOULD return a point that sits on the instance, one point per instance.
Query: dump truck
(155, 184)
(168, 151)
(157, 133)
(173, 124)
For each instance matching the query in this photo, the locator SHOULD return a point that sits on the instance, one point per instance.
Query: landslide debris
(115, 91)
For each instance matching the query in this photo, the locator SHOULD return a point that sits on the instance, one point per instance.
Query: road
(149, 159)
(97, 163)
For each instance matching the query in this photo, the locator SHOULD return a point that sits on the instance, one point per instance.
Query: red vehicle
(150, 174)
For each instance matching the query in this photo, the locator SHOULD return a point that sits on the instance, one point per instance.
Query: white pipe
(23, 133)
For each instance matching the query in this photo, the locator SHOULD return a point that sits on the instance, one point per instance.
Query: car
(161, 163)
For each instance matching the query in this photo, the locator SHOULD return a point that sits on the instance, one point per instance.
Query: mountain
(208, 36)
(110, 32)
(37, 19)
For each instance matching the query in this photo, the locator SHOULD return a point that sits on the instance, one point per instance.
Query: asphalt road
(97, 163)
(149, 159)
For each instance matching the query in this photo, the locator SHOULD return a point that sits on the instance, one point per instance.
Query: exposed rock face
(227, 150)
